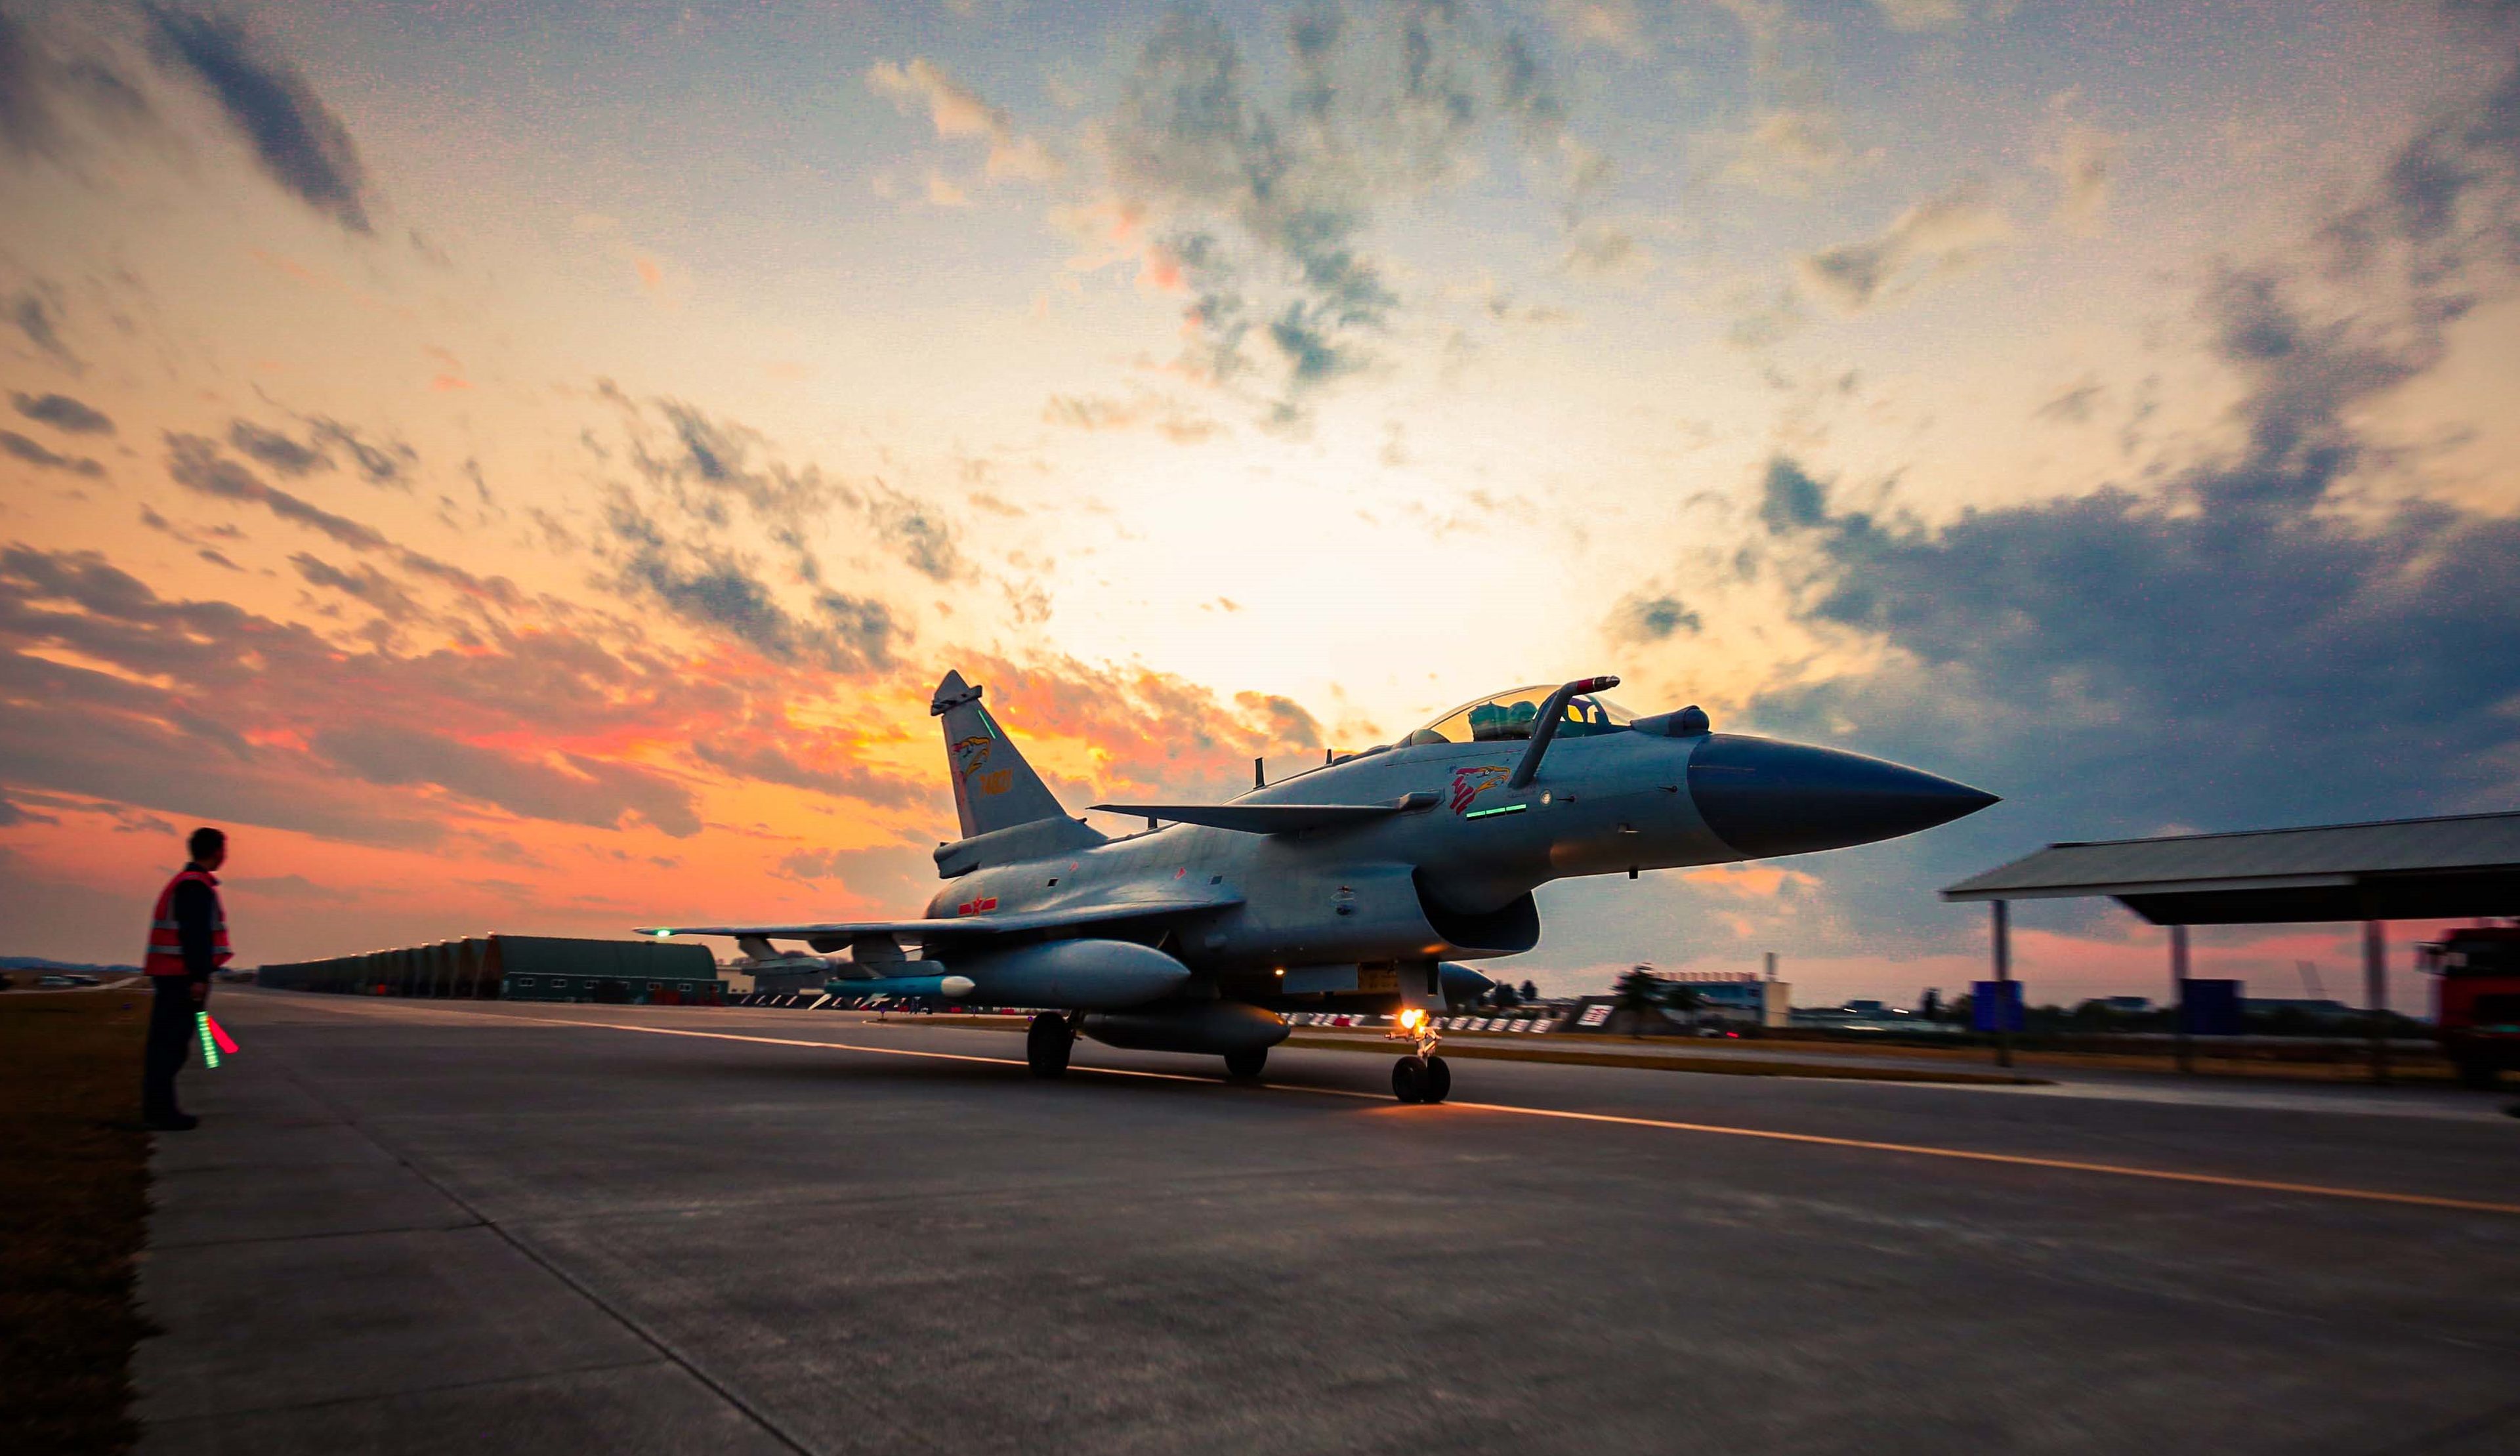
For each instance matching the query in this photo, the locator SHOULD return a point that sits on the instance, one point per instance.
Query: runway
(501, 1226)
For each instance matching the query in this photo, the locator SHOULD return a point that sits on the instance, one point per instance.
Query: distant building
(1866, 1014)
(508, 967)
(2303, 1007)
(776, 975)
(1740, 998)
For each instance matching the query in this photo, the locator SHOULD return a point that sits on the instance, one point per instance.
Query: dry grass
(73, 1197)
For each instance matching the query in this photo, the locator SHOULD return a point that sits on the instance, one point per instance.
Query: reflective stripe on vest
(165, 955)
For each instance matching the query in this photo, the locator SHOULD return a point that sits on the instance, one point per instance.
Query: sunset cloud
(298, 141)
(18, 447)
(2084, 161)
(717, 590)
(61, 413)
(568, 787)
(1171, 418)
(1942, 234)
(35, 312)
(276, 450)
(1789, 149)
(2119, 650)
(195, 464)
(2136, 463)
(1265, 208)
(959, 113)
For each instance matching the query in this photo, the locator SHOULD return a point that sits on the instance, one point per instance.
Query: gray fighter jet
(1347, 886)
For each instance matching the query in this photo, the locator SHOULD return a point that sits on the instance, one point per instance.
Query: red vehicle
(2476, 999)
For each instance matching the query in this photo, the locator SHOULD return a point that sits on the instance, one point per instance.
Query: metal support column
(2375, 991)
(2003, 977)
(2178, 995)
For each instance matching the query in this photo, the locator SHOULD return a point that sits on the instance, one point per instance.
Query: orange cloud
(1754, 880)
(957, 111)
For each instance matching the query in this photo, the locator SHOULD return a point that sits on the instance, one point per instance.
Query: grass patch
(74, 1204)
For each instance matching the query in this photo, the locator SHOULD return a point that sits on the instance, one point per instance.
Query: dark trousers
(172, 1029)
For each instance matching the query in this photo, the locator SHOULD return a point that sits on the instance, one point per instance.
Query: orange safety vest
(166, 947)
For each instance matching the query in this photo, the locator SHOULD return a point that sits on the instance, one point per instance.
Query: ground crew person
(188, 939)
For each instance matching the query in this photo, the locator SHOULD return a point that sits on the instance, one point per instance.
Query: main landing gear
(1420, 1075)
(1047, 1043)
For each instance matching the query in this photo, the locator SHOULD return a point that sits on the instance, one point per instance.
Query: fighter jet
(1360, 883)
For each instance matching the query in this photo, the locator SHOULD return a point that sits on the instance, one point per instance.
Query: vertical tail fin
(994, 788)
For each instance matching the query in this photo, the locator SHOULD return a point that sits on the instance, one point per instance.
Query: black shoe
(172, 1121)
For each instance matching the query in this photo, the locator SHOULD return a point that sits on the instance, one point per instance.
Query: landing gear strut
(1245, 1065)
(1046, 1044)
(1420, 1075)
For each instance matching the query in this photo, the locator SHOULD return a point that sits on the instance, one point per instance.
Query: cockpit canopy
(1509, 715)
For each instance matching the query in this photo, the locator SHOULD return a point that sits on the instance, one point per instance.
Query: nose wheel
(1416, 1078)
(1420, 1075)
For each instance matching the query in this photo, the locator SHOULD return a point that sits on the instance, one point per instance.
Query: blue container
(2210, 1008)
(1994, 1006)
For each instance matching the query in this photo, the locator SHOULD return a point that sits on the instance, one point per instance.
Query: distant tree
(1503, 996)
(1931, 1007)
(1639, 991)
(1529, 992)
(1683, 997)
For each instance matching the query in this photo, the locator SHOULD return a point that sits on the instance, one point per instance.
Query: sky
(523, 466)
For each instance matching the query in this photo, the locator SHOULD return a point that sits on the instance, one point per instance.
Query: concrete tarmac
(490, 1227)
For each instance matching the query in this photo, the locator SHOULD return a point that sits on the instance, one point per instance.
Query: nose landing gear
(1420, 1075)
(1417, 1079)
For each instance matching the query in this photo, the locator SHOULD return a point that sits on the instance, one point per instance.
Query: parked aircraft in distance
(1351, 885)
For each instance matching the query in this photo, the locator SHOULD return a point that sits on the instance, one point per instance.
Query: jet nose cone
(1764, 797)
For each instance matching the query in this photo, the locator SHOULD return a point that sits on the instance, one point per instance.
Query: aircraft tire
(1046, 1044)
(1439, 1080)
(1247, 1064)
(1408, 1080)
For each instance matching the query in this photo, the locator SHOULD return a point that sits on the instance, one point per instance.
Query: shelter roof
(2457, 866)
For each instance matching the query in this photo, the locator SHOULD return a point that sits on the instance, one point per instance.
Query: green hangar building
(517, 968)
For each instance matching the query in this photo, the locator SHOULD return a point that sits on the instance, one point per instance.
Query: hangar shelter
(2450, 867)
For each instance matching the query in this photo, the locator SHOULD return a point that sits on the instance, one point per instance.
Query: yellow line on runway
(2016, 1160)
(1813, 1140)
